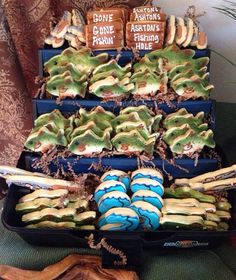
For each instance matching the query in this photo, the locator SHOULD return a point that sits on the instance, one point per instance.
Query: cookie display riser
(126, 164)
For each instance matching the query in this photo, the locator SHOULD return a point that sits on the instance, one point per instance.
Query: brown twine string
(109, 248)
(191, 13)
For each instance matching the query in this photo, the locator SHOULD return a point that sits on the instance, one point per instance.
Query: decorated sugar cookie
(181, 31)
(112, 200)
(148, 196)
(116, 175)
(149, 215)
(108, 186)
(149, 173)
(171, 30)
(147, 184)
(121, 218)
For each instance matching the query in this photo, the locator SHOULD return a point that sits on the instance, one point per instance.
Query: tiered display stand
(131, 243)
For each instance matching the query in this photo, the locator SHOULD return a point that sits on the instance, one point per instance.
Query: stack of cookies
(119, 212)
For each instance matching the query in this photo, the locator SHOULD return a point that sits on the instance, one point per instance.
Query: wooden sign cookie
(147, 9)
(147, 17)
(125, 12)
(146, 35)
(144, 26)
(147, 13)
(102, 36)
(105, 16)
(149, 45)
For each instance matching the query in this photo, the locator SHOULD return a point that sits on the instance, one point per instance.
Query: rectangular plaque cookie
(145, 45)
(106, 16)
(102, 36)
(144, 26)
(147, 17)
(146, 41)
(146, 9)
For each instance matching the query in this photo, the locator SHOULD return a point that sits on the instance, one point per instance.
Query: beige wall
(221, 31)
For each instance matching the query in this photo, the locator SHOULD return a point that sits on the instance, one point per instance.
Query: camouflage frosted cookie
(89, 143)
(149, 173)
(121, 218)
(112, 200)
(111, 87)
(148, 196)
(147, 184)
(117, 175)
(149, 215)
(108, 186)
(43, 140)
(133, 142)
(114, 66)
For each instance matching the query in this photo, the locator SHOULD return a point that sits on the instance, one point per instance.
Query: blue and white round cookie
(112, 200)
(121, 218)
(147, 184)
(149, 215)
(108, 186)
(148, 173)
(117, 175)
(148, 196)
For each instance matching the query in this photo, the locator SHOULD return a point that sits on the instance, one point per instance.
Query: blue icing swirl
(127, 223)
(148, 220)
(141, 175)
(112, 202)
(100, 192)
(153, 200)
(137, 186)
(124, 179)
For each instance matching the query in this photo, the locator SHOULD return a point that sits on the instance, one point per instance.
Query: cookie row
(184, 32)
(55, 209)
(135, 130)
(187, 208)
(151, 78)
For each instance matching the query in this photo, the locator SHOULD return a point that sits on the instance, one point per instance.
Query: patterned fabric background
(15, 107)
(23, 26)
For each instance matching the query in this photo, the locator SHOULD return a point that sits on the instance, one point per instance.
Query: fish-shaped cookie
(89, 143)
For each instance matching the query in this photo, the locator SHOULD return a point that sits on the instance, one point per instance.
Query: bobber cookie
(112, 200)
(149, 215)
(147, 184)
(148, 196)
(121, 218)
(149, 173)
(117, 175)
(108, 186)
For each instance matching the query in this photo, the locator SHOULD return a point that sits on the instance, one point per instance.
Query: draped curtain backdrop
(23, 26)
